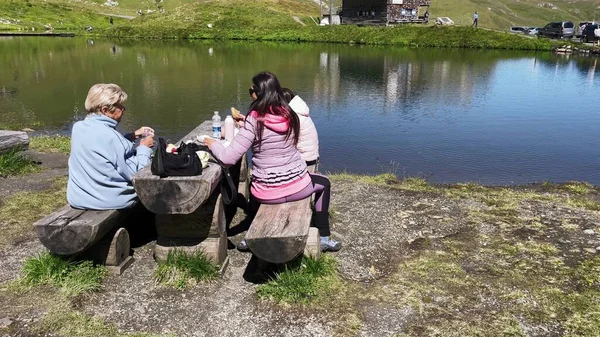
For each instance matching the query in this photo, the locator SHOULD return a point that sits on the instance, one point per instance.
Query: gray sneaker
(243, 246)
(330, 245)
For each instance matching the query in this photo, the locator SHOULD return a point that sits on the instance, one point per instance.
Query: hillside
(501, 14)
(78, 14)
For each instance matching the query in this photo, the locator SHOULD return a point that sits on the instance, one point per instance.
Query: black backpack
(183, 163)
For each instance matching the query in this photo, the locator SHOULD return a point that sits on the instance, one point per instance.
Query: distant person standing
(111, 21)
(475, 20)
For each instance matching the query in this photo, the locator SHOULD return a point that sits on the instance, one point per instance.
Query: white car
(518, 29)
(444, 21)
(532, 31)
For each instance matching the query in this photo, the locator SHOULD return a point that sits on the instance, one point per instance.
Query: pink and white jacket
(308, 141)
(278, 170)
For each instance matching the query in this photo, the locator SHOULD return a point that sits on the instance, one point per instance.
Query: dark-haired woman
(279, 174)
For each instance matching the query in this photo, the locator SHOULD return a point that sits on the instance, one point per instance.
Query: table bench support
(204, 230)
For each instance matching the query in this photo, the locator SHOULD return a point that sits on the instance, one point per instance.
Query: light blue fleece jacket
(102, 164)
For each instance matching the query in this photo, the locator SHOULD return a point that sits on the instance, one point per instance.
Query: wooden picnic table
(190, 214)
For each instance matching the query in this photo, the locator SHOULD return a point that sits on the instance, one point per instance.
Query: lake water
(494, 117)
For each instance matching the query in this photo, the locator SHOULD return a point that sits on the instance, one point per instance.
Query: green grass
(182, 270)
(19, 211)
(16, 163)
(408, 36)
(312, 280)
(51, 144)
(71, 278)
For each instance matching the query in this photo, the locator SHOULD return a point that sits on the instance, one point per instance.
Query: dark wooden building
(388, 11)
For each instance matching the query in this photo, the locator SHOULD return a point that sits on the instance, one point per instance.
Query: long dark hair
(270, 100)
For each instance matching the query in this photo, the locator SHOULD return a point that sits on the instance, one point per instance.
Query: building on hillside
(385, 11)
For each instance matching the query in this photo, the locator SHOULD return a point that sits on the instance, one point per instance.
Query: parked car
(532, 31)
(518, 29)
(588, 33)
(444, 21)
(581, 27)
(558, 30)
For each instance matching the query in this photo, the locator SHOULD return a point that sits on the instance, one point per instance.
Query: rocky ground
(418, 260)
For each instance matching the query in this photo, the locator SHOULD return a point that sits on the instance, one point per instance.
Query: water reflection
(456, 115)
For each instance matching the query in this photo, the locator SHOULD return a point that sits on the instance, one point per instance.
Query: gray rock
(5, 322)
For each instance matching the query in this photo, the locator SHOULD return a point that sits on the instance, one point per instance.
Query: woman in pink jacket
(271, 129)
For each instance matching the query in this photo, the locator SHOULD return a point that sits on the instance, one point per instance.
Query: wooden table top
(178, 195)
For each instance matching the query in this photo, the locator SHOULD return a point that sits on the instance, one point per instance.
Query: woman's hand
(209, 141)
(144, 131)
(147, 141)
(238, 116)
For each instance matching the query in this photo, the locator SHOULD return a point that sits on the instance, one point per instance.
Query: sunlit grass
(181, 270)
(51, 144)
(71, 278)
(16, 163)
(312, 280)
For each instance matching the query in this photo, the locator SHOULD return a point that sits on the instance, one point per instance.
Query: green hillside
(501, 14)
(78, 14)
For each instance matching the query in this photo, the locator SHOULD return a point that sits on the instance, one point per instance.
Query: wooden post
(313, 244)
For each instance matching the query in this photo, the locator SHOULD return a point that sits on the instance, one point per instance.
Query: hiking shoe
(330, 245)
(243, 246)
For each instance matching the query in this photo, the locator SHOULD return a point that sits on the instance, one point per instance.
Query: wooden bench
(13, 140)
(93, 235)
(190, 214)
(279, 233)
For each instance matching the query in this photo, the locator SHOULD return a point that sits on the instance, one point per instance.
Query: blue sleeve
(129, 160)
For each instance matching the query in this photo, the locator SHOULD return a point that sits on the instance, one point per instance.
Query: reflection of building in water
(327, 82)
(393, 81)
(406, 81)
(141, 59)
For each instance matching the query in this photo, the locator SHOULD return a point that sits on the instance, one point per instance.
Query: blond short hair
(104, 95)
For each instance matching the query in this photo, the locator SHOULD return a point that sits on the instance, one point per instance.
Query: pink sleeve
(240, 144)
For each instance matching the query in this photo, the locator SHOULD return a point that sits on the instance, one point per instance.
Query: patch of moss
(20, 210)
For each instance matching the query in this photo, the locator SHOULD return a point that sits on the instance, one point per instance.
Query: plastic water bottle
(229, 127)
(216, 125)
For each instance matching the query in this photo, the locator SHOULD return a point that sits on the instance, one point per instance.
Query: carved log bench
(279, 233)
(190, 214)
(94, 235)
(13, 140)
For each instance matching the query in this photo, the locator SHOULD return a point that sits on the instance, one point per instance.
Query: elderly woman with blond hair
(103, 161)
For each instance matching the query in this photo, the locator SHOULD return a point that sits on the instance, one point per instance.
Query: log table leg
(313, 244)
(112, 251)
(204, 230)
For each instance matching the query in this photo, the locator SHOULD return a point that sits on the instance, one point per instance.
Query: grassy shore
(263, 20)
(409, 36)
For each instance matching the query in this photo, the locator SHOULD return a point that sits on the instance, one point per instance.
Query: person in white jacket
(308, 142)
